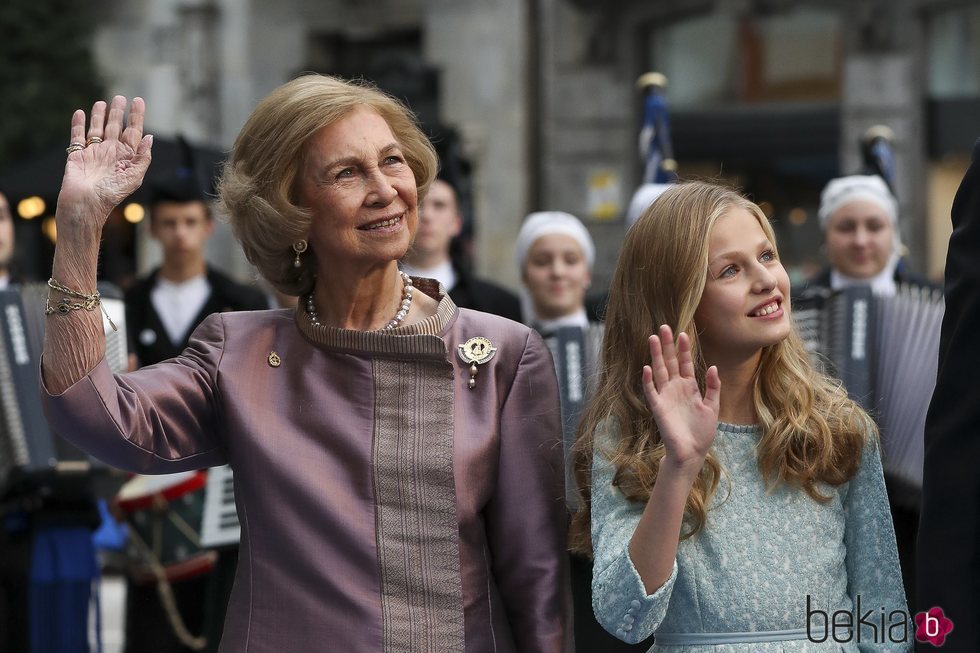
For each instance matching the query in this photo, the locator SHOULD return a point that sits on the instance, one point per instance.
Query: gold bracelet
(56, 285)
(66, 306)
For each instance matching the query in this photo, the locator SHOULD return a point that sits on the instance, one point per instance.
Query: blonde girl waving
(733, 495)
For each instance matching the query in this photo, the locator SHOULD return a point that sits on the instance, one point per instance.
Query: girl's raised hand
(109, 167)
(687, 420)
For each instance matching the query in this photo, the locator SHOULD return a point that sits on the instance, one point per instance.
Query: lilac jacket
(385, 506)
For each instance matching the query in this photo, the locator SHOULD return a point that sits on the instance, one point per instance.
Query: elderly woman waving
(397, 460)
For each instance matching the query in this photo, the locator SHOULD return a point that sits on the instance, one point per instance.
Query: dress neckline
(739, 428)
(418, 339)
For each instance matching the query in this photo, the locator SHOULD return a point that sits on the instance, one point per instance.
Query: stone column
(884, 83)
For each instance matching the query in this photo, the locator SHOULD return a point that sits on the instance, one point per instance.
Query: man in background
(47, 556)
(6, 241)
(15, 544)
(429, 256)
(164, 307)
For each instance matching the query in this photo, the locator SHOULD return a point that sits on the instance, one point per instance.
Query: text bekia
(876, 625)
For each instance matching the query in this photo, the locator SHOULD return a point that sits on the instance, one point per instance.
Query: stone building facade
(537, 97)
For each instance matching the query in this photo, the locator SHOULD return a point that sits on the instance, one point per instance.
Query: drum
(164, 514)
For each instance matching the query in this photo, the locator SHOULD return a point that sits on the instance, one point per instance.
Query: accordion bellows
(30, 453)
(885, 351)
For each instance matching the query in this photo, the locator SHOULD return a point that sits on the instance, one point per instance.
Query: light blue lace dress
(742, 584)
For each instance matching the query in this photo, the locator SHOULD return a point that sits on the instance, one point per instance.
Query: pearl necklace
(407, 291)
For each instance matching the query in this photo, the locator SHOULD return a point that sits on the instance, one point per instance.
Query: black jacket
(479, 295)
(148, 338)
(949, 528)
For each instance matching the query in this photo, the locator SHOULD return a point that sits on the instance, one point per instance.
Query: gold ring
(92, 139)
(75, 147)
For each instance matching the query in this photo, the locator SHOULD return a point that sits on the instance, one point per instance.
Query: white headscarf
(642, 199)
(869, 188)
(545, 223)
(856, 188)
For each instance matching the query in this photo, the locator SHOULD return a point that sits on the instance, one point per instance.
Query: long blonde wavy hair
(812, 433)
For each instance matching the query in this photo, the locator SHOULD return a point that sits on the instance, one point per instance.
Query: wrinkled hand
(687, 421)
(105, 173)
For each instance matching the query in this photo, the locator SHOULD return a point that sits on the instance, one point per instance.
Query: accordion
(885, 351)
(575, 351)
(31, 455)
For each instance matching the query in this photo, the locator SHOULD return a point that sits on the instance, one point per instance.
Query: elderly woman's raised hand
(105, 165)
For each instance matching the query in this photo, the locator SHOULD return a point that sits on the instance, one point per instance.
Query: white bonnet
(643, 198)
(553, 222)
(843, 190)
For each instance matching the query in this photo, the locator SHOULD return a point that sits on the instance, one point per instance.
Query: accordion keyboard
(219, 525)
